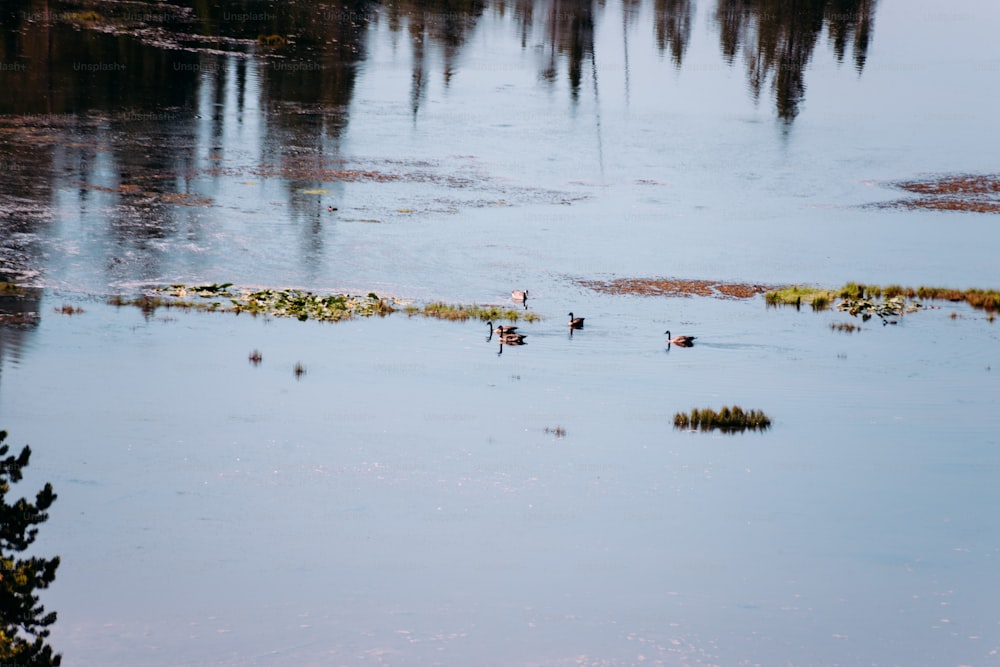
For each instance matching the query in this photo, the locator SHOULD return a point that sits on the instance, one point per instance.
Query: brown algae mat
(676, 287)
(975, 193)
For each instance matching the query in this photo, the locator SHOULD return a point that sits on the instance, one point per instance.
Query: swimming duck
(575, 322)
(682, 341)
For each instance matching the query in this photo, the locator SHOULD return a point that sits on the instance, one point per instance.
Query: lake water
(415, 498)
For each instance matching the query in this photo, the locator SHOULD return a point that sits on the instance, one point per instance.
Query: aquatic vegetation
(884, 309)
(450, 311)
(847, 327)
(558, 431)
(875, 300)
(272, 41)
(256, 357)
(975, 193)
(67, 309)
(728, 419)
(304, 305)
(88, 16)
(796, 295)
(299, 370)
(299, 304)
(675, 287)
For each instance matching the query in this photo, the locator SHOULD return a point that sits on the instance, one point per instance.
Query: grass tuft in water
(450, 311)
(728, 420)
(796, 295)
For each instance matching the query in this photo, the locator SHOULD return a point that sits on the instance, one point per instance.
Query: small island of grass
(728, 420)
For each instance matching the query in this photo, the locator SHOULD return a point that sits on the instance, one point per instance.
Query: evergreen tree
(23, 621)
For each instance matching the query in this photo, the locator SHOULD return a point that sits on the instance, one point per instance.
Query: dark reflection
(777, 38)
(673, 27)
(570, 33)
(147, 112)
(20, 314)
(446, 23)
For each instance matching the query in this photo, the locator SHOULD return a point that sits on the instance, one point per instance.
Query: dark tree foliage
(23, 621)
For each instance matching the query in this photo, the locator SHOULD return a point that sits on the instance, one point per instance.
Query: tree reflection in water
(777, 39)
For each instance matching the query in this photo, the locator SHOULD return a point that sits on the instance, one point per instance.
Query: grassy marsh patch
(451, 311)
(304, 305)
(876, 300)
(797, 295)
(728, 420)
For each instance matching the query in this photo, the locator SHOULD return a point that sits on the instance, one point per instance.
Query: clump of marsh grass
(797, 295)
(728, 420)
(459, 312)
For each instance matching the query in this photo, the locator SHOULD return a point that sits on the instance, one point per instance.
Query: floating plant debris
(868, 300)
(675, 287)
(884, 309)
(976, 193)
(299, 304)
(304, 305)
(728, 420)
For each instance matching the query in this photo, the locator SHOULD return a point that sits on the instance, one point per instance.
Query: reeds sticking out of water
(728, 419)
(451, 311)
(820, 299)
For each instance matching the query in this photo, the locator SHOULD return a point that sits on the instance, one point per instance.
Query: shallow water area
(403, 497)
(420, 495)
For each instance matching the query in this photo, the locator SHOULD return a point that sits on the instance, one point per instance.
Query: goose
(575, 322)
(683, 341)
(519, 295)
(512, 338)
(501, 329)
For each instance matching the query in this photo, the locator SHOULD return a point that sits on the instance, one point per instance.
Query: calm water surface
(407, 501)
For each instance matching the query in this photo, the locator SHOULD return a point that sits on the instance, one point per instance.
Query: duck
(502, 329)
(682, 341)
(519, 295)
(575, 322)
